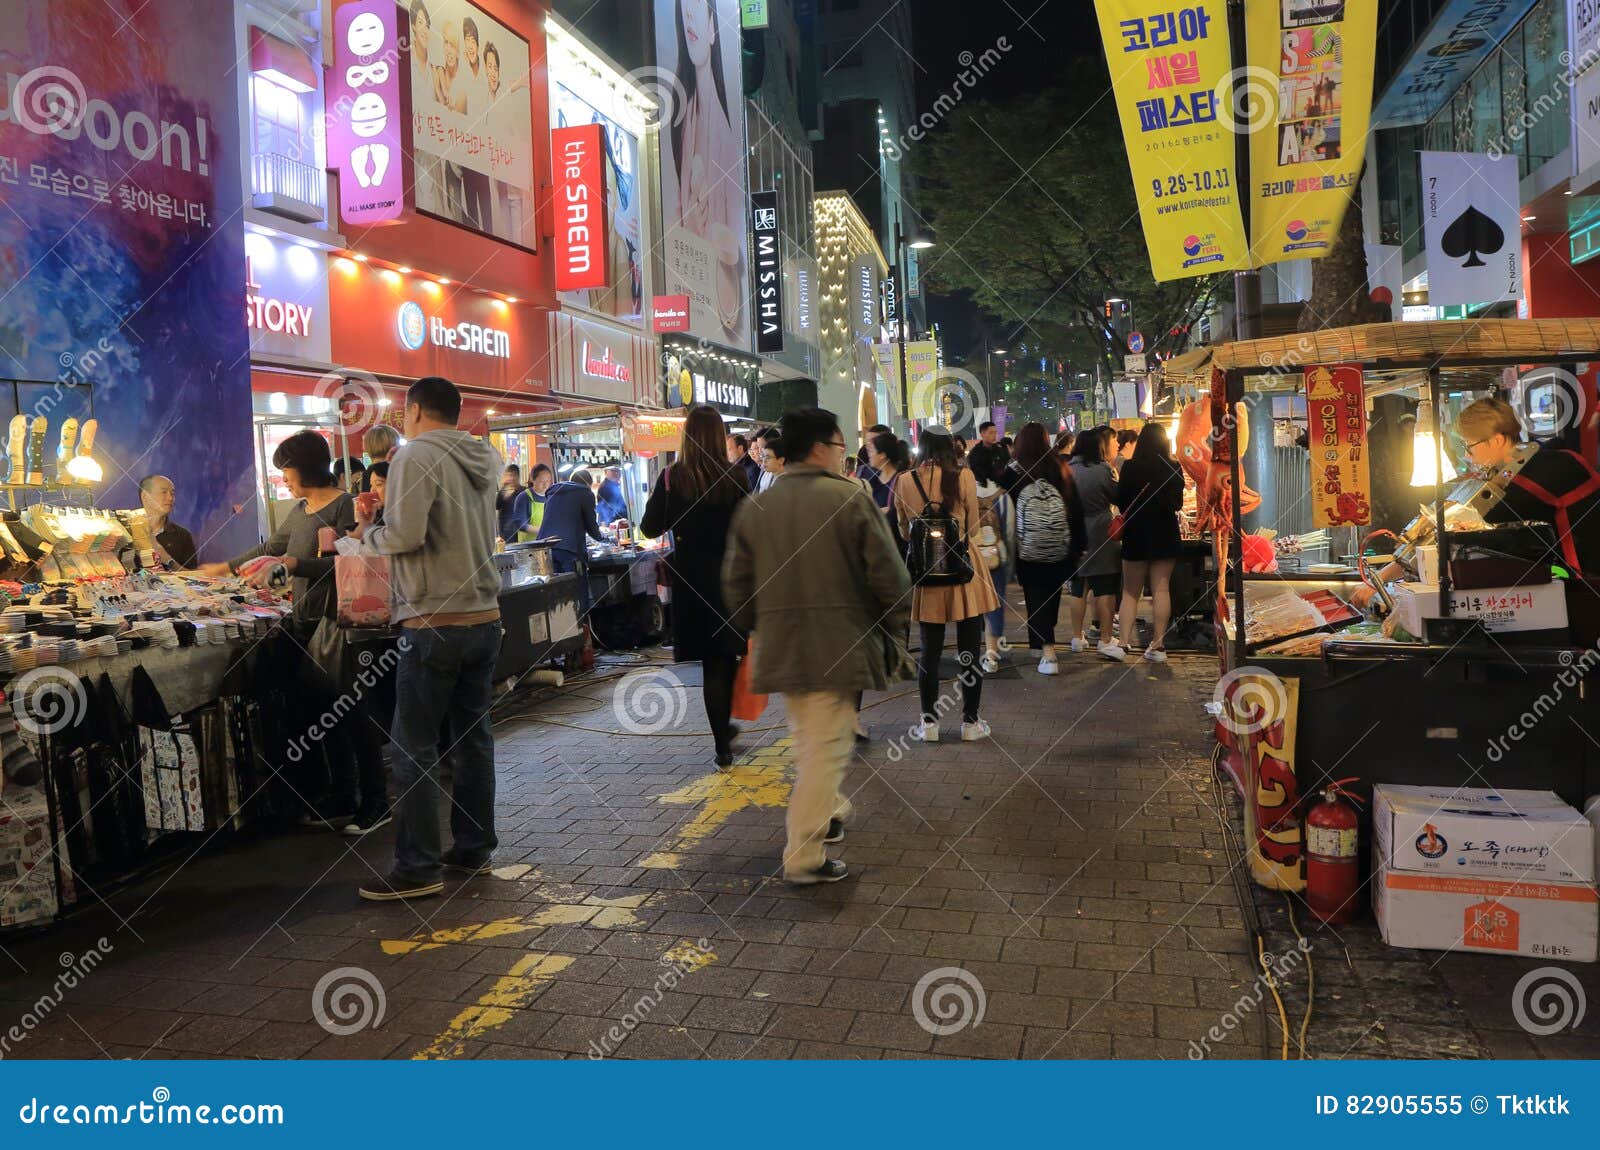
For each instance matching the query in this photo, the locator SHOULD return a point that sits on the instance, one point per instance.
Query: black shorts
(1108, 584)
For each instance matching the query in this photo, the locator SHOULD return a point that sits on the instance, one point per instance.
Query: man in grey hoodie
(439, 531)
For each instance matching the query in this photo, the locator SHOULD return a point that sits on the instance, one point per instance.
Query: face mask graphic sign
(1472, 221)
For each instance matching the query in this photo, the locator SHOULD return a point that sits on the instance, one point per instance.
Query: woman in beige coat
(938, 478)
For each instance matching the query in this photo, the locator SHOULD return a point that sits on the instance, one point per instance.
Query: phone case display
(84, 468)
(35, 450)
(16, 442)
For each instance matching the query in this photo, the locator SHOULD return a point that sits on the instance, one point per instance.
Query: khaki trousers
(822, 724)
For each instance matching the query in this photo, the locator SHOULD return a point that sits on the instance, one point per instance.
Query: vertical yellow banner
(1308, 100)
(1169, 62)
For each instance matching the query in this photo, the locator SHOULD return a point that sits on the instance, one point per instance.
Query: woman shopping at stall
(1150, 493)
(695, 499)
(355, 798)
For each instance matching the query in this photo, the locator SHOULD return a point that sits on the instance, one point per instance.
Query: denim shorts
(1109, 584)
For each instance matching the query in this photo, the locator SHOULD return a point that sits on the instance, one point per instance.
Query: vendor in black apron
(1553, 486)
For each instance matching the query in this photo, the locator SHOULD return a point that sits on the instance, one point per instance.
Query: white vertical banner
(1583, 39)
(1472, 221)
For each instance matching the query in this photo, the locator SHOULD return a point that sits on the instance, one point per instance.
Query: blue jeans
(997, 618)
(445, 674)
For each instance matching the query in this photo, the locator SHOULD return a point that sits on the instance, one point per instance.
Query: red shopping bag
(362, 582)
(747, 705)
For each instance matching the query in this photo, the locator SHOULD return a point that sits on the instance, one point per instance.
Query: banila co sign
(369, 112)
(580, 203)
(671, 312)
(768, 271)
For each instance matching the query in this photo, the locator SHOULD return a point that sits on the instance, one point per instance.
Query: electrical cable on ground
(1233, 856)
(1311, 977)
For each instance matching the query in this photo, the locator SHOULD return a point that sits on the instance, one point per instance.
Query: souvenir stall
(1445, 663)
(626, 601)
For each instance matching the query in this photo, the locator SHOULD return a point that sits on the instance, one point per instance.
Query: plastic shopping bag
(747, 705)
(362, 582)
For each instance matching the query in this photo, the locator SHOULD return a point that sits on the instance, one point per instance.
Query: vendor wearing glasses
(1551, 486)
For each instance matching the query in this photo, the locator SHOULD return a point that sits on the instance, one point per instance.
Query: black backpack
(936, 546)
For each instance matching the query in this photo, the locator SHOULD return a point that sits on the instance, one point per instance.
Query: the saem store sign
(390, 323)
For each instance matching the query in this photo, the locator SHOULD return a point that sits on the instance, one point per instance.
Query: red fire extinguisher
(1332, 863)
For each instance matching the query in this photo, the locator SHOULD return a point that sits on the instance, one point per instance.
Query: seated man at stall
(175, 545)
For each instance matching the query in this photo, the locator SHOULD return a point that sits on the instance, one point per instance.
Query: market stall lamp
(85, 469)
(1424, 470)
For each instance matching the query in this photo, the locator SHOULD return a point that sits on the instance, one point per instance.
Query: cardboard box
(1535, 608)
(1519, 836)
(1548, 920)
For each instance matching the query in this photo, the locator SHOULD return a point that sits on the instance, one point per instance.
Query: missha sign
(769, 271)
(580, 206)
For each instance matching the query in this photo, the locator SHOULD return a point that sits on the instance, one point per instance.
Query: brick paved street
(1071, 874)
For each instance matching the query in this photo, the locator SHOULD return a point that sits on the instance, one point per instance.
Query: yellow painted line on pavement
(473, 933)
(762, 780)
(523, 983)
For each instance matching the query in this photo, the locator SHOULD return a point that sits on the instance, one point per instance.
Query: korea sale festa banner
(1308, 101)
(1169, 65)
(122, 247)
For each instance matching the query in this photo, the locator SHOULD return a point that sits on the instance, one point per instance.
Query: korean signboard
(580, 207)
(1169, 61)
(1341, 492)
(1583, 39)
(286, 299)
(1305, 160)
(367, 113)
(768, 271)
(670, 312)
(1459, 39)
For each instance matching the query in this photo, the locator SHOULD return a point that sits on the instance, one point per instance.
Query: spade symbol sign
(1473, 234)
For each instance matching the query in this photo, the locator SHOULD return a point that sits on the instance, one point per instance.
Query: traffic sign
(1134, 364)
(1136, 342)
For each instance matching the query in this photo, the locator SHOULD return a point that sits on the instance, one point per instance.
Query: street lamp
(918, 242)
(989, 370)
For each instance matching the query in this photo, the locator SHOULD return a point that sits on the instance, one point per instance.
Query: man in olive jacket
(811, 569)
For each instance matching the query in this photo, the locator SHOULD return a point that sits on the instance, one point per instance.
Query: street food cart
(626, 601)
(1311, 688)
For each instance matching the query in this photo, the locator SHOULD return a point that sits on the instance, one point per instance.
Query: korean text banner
(1308, 101)
(1168, 61)
(1336, 409)
(122, 248)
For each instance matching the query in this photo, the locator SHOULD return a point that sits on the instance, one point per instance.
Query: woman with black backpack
(937, 506)
(1049, 537)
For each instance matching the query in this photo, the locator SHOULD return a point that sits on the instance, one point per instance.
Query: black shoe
(369, 819)
(831, 871)
(331, 814)
(457, 861)
(733, 731)
(397, 888)
(724, 760)
(835, 831)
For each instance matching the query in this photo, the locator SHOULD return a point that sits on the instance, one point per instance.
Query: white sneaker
(927, 732)
(1047, 666)
(1078, 644)
(1112, 651)
(972, 732)
(990, 663)
(1155, 655)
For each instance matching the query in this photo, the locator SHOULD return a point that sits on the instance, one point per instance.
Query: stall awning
(547, 418)
(1416, 345)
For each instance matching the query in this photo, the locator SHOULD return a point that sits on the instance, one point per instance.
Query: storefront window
(278, 119)
(1543, 36)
